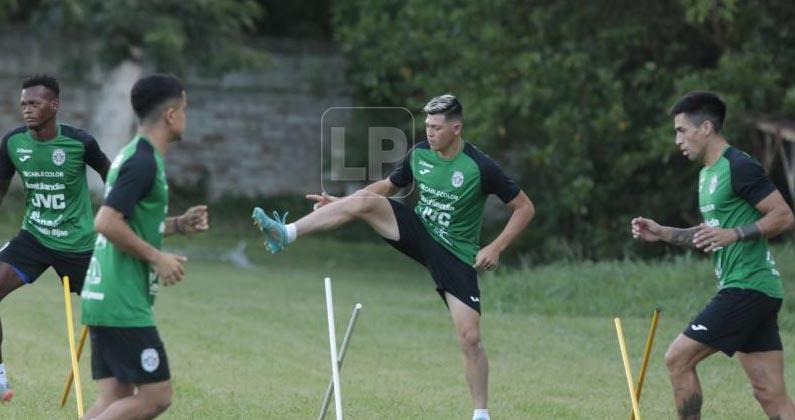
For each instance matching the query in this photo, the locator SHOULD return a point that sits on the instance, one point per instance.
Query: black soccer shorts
(132, 355)
(29, 258)
(738, 320)
(448, 272)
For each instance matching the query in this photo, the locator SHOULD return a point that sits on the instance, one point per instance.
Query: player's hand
(646, 229)
(169, 268)
(711, 239)
(488, 258)
(321, 199)
(195, 219)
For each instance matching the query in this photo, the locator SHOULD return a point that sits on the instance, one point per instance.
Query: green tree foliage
(170, 35)
(572, 96)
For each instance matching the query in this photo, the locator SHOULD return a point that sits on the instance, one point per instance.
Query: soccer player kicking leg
(443, 233)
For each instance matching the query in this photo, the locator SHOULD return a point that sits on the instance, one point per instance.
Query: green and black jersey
(452, 194)
(58, 209)
(120, 289)
(728, 192)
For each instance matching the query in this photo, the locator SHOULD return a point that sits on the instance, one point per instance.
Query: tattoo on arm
(748, 232)
(683, 237)
(691, 408)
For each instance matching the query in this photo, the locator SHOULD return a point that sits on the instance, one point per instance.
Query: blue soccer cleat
(273, 228)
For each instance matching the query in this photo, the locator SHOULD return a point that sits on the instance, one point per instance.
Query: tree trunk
(113, 120)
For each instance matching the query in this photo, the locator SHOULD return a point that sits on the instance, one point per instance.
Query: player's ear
(54, 104)
(457, 127)
(707, 127)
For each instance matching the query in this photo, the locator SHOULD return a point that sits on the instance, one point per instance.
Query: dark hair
(45, 80)
(701, 106)
(447, 105)
(150, 93)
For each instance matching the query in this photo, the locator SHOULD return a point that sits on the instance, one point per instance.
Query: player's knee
(363, 202)
(675, 360)
(469, 338)
(158, 402)
(768, 396)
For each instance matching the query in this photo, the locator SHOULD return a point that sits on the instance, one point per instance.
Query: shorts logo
(58, 157)
(474, 299)
(699, 327)
(150, 360)
(713, 184)
(458, 179)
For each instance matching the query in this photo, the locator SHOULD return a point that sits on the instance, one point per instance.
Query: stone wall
(248, 134)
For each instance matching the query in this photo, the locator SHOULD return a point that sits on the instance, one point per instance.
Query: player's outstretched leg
(766, 372)
(681, 358)
(9, 281)
(467, 325)
(374, 209)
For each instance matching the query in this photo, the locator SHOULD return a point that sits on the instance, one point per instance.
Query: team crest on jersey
(58, 157)
(150, 360)
(458, 179)
(713, 184)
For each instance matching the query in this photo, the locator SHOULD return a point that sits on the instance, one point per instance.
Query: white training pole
(343, 349)
(332, 340)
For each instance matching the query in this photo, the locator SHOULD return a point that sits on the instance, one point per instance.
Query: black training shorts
(450, 273)
(29, 258)
(132, 355)
(738, 320)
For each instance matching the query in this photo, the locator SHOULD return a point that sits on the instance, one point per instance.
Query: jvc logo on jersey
(49, 201)
(439, 217)
(424, 171)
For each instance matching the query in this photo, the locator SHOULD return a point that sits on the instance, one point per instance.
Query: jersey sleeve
(135, 180)
(749, 180)
(402, 175)
(95, 157)
(7, 168)
(495, 181)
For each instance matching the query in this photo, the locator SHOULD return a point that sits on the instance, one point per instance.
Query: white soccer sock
(3, 379)
(481, 414)
(292, 232)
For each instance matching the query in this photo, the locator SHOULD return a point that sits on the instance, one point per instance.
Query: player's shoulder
(739, 160)
(13, 132)
(76, 133)
(479, 156)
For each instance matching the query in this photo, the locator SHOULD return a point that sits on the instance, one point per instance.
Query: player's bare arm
(650, 231)
(384, 187)
(194, 220)
(111, 224)
(523, 211)
(776, 218)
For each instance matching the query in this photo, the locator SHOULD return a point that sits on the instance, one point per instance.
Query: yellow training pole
(625, 357)
(655, 318)
(68, 385)
(70, 330)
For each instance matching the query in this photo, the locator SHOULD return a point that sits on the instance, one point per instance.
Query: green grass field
(251, 343)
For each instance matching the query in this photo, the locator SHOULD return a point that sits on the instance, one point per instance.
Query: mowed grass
(251, 343)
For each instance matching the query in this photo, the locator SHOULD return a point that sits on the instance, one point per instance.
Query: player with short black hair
(128, 359)
(453, 178)
(741, 209)
(51, 160)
